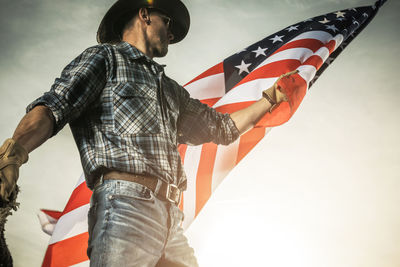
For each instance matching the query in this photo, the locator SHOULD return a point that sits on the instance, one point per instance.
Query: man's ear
(144, 15)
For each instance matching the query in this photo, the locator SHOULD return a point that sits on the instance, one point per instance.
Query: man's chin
(161, 52)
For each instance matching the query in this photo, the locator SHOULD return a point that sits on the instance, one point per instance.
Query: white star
(365, 15)
(260, 51)
(331, 27)
(356, 22)
(352, 9)
(292, 28)
(307, 20)
(243, 67)
(277, 38)
(243, 50)
(324, 21)
(340, 14)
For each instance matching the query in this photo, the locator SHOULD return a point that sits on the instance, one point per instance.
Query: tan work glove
(274, 95)
(12, 156)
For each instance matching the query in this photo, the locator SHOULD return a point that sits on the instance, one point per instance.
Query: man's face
(159, 34)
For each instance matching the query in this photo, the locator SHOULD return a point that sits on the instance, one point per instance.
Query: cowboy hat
(111, 26)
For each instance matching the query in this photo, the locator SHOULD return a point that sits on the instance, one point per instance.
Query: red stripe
(315, 61)
(311, 44)
(181, 204)
(331, 46)
(273, 69)
(79, 197)
(67, 252)
(248, 141)
(52, 213)
(219, 68)
(182, 151)
(204, 175)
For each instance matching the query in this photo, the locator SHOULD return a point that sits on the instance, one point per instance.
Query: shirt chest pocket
(135, 109)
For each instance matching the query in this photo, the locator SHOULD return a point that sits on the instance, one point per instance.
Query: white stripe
(322, 36)
(208, 87)
(80, 180)
(301, 54)
(307, 72)
(82, 264)
(338, 39)
(250, 91)
(191, 164)
(323, 53)
(71, 224)
(225, 161)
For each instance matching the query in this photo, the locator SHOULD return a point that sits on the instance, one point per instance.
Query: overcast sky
(321, 190)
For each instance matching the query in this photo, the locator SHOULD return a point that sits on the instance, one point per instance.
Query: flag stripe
(67, 252)
(192, 157)
(215, 87)
(68, 225)
(219, 68)
(204, 175)
(79, 197)
(52, 213)
(248, 141)
(225, 160)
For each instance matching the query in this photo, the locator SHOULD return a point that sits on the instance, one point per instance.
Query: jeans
(129, 226)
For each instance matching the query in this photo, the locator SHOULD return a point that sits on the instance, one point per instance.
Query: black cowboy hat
(122, 11)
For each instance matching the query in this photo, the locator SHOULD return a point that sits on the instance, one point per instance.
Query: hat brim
(117, 16)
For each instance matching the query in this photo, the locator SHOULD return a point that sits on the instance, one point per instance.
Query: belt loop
(158, 186)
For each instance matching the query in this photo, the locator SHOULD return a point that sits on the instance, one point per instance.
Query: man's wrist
(269, 99)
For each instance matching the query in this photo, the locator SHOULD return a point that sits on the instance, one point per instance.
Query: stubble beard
(162, 49)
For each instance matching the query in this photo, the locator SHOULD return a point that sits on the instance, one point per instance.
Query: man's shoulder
(100, 49)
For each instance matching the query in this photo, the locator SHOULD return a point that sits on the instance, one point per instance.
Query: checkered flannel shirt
(127, 115)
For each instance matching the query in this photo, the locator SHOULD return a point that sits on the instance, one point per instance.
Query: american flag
(309, 46)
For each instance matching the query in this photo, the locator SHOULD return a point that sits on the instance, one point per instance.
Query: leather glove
(274, 95)
(12, 156)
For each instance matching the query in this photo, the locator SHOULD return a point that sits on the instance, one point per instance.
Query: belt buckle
(169, 191)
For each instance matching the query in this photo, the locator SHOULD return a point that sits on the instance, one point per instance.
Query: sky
(321, 190)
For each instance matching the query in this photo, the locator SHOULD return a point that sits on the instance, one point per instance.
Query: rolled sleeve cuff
(49, 100)
(233, 132)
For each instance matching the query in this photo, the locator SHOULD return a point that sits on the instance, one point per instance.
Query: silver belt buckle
(176, 196)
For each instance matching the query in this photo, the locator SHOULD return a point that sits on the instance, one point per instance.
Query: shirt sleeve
(198, 123)
(79, 85)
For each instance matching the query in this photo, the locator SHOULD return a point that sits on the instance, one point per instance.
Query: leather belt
(166, 191)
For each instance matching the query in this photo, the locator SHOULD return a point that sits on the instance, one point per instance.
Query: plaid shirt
(126, 114)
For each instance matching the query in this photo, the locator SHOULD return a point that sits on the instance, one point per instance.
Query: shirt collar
(135, 54)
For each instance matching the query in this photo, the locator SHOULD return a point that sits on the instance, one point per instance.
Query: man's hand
(274, 95)
(246, 118)
(12, 156)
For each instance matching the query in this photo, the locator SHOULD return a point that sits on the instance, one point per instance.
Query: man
(127, 118)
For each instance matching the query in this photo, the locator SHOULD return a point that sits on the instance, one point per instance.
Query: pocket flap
(135, 90)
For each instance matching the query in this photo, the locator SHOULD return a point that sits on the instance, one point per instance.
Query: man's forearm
(35, 128)
(246, 118)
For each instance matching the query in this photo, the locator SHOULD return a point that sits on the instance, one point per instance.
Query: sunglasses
(167, 20)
